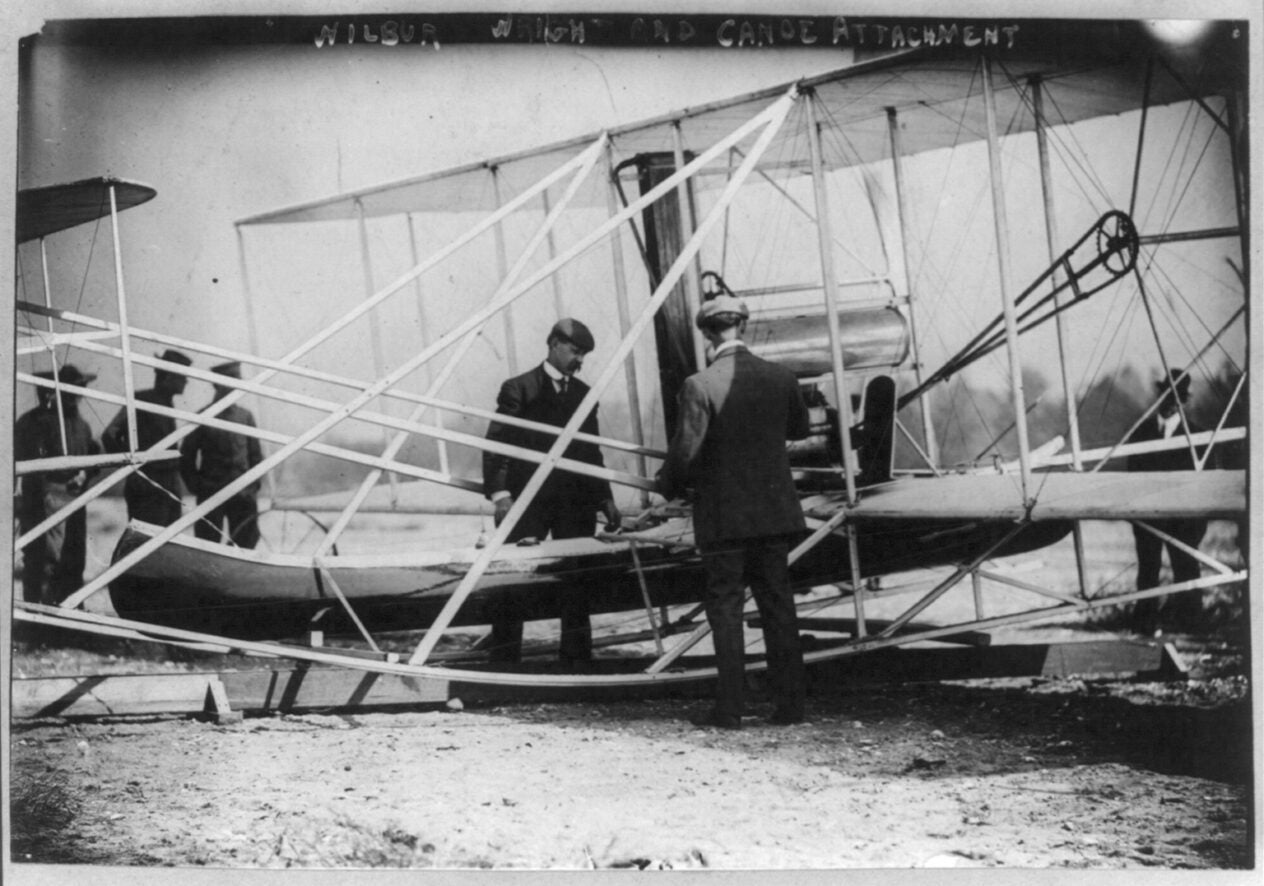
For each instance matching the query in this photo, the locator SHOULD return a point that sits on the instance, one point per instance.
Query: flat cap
(70, 375)
(721, 304)
(232, 369)
(574, 332)
(171, 355)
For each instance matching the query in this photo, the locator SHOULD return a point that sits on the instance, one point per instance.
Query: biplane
(797, 198)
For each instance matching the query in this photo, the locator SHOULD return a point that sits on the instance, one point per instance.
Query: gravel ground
(1018, 773)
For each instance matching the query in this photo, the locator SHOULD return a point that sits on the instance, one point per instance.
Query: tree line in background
(973, 426)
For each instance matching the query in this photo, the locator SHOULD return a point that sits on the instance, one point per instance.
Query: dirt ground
(1079, 773)
(1019, 773)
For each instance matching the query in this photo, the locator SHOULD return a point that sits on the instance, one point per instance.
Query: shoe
(713, 720)
(785, 718)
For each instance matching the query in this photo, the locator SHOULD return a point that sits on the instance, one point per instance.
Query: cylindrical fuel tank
(872, 338)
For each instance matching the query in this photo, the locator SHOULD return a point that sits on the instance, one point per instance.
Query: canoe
(248, 594)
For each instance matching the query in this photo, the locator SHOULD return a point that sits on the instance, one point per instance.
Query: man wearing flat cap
(728, 454)
(53, 564)
(567, 504)
(153, 492)
(1172, 421)
(211, 458)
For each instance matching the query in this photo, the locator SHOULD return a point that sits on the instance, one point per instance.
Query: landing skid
(638, 670)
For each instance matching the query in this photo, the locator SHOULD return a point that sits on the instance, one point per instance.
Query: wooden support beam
(232, 694)
(1100, 658)
(224, 696)
(217, 707)
(850, 627)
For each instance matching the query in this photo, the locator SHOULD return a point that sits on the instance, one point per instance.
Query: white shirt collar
(552, 371)
(1170, 423)
(729, 345)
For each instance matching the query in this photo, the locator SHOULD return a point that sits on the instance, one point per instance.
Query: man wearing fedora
(728, 454)
(154, 491)
(1172, 421)
(211, 458)
(567, 504)
(53, 564)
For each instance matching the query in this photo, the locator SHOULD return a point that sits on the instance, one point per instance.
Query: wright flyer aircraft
(815, 201)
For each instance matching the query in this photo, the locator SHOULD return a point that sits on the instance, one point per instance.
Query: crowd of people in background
(209, 459)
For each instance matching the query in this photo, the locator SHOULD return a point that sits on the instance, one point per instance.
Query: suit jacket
(211, 458)
(150, 428)
(730, 446)
(37, 434)
(1177, 459)
(533, 396)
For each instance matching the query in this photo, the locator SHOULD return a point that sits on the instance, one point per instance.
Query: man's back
(735, 417)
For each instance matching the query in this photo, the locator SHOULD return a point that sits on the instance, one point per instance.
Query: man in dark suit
(211, 458)
(153, 493)
(730, 447)
(567, 503)
(1172, 421)
(53, 564)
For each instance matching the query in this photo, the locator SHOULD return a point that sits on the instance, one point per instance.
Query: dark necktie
(561, 385)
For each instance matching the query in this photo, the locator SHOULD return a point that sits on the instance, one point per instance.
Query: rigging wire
(1141, 130)
(1184, 172)
(1123, 330)
(846, 154)
(1065, 142)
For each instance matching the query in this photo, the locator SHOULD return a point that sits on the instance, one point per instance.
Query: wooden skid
(1100, 658)
(874, 625)
(258, 691)
(308, 688)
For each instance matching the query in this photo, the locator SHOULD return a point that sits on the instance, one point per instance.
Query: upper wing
(47, 210)
(1085, 72)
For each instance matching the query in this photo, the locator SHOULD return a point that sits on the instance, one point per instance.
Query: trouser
(153, 504)
(759, 563)
(545, 519)
(240, 513)
(1185, 567)
(53, 564)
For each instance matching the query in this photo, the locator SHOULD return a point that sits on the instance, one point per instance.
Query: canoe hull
(216, 589)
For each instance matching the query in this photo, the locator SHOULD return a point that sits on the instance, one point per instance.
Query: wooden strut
(72, 462)
(625, 321)
(842, 398)
(1182, 546)
(30, 340)
(645, 595)
(1153, 407)
(948, 583)
(120, 566)
(253, 385)
(327, 578)
(771, 120)
(48, 299)
(129, 384)
(109, 625)
(338, 452)
(438, 381)
(1027, 586)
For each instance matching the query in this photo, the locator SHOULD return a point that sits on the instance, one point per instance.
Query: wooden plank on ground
(1102, 658)
(105, 695)
(296, 689)
(875, 625)
(254, 691)
(305, 688)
